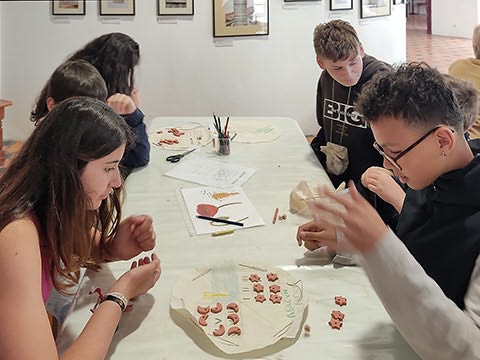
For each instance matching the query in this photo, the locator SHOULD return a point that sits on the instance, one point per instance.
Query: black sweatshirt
(333, 108)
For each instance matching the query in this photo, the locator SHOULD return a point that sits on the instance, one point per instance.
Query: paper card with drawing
(232, 205)
(210, 172)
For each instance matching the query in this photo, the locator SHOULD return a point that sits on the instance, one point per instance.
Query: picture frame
(398, 2)
(247, 18)
(116, 7)
(68, 7)
(175, 7)
(341, 5)
(375, 8)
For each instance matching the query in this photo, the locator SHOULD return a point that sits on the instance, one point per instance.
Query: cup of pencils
(223, 138)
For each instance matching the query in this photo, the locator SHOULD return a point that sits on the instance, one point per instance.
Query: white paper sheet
(211, 172)
(232, 204)
(262, 323)
(254, 131)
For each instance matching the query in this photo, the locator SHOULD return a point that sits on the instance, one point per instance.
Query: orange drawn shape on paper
(223, 195)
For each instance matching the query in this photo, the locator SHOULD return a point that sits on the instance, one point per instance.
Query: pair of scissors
(176, 158)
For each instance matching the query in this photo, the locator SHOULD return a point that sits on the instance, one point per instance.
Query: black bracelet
(120, 300)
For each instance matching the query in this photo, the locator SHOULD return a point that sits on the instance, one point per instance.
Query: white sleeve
(431, 323)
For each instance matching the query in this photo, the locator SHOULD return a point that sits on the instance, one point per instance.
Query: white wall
(455, 18)
(183, 71)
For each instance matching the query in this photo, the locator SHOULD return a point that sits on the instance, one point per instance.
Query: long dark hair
(114, 55)
(43, 182)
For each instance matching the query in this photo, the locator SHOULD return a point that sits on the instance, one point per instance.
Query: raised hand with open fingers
(359, 222)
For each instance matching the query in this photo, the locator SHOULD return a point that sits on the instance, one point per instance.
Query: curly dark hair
(415, 93)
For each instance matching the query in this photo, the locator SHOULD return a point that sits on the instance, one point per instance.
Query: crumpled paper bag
(303, 192)
(337, 158)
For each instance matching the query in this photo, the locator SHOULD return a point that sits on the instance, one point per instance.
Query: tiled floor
(438, 51)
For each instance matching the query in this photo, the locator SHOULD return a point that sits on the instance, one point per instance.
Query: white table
(149, 332)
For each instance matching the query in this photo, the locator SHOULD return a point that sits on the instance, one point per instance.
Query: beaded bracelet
(118, 298)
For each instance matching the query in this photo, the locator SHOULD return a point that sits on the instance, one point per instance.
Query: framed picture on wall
(375, 8)
(175, 7)
(240, 18)
(341, 5)
(116, 7)
(68, 7)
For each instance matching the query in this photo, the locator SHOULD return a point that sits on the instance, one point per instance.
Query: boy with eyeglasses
(380, 181)
(428, 275)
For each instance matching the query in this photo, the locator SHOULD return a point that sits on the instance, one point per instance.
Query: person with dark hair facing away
(115, 56)
(428, 274)
(60, 209)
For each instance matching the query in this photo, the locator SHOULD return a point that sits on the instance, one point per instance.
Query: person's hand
(135, 95)
(380, 181)
(139, 279)
(355, 218)
(134, 235)
(122, 104)
(314, 236)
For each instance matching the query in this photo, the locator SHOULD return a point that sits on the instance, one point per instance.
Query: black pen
(219, 220)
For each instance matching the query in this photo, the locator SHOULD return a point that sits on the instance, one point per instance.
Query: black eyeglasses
(393, 160)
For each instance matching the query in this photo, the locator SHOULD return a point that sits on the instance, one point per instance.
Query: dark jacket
(139, 154)
(440, 225)
(334, 109)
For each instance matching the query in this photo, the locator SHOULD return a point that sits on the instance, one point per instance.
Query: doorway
(419, 15)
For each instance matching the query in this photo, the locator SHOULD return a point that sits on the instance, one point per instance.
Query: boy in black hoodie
(344, 143)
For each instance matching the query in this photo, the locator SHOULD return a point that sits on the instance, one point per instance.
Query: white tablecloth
(149, 331)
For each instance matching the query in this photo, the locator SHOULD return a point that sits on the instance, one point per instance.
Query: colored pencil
(275, 216)
(223, 232)
(226, 126)
(219, 220)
